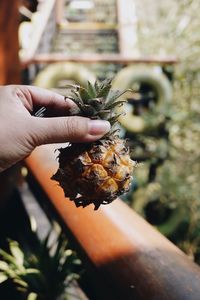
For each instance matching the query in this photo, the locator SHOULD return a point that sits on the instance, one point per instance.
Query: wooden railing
(130, 258)
(43, 31)
(96, 58)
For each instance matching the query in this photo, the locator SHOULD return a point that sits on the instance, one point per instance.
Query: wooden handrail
(96, 58)
(39, 30)
(81, 26)
(127, 27)
(134, 260)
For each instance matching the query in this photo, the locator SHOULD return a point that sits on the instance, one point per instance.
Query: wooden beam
(97, 58)
(39, 28)
(133, 260)
(127, 24)
(59, 11)
(9, 46)
(93, 26)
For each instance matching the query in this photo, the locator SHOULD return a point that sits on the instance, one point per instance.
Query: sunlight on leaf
(3, 277)
(16, 252)
(32, 296)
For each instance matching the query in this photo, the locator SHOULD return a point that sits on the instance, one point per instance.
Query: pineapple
(95, 172)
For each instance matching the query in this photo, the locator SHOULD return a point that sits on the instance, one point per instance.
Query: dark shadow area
(153, 274)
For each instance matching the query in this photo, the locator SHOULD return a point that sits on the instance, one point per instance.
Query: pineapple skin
(95, 173)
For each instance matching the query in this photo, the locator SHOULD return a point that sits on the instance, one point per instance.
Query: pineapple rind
(97, 173)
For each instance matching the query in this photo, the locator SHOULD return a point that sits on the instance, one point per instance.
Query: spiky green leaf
(97, 103)
(3, 277)
(104, 115)
(3, 265)
(84, 94)
(104, 88)
(32, 271)
(114, 119)
(97, 86)
(76, 101)
(16, 252)
(114, 95)
(20, 282)
(7, 257)
(78, 96)
(117, 103)
(105, 82)
(32, 296)
(91, 90)
(88, 111)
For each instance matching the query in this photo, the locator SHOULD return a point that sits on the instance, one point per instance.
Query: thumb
(67, 129)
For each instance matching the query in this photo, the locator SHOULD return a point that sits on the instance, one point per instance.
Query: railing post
(9, 46)
(127, 23)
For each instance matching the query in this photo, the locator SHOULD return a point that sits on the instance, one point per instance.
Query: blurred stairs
(89, 29)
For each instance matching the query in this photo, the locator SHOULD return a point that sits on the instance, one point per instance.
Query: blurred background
(152, 47)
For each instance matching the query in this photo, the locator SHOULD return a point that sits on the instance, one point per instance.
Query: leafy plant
(44, 271)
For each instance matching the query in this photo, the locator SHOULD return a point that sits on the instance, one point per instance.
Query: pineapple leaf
(104, 88)
(80, 92)
(113, 95)
(20, 282)
(3, 277)
(76, 101)
(84, 94)
(16, 252)
(3, 265)
(105, 82)
(97, 103)
(104, 114)
(78, 96)
(91, 90)
(60, 248)
(114, 119)
(32, 271)
(48, 270)
(7, 257)
(32, 296)
(97, 86)
(88, 110)
(117, 103)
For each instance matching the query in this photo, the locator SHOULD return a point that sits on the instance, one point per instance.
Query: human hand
(20, 132)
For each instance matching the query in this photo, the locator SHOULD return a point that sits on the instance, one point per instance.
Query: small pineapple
(95, 172)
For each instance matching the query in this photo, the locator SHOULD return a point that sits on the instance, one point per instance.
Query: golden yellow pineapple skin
(95, 173)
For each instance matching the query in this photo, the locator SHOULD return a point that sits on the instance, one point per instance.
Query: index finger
(37, 97)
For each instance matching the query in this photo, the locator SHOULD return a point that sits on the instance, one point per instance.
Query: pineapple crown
(97, 101)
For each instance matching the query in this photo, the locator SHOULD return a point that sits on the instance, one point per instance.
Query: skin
(21, 132)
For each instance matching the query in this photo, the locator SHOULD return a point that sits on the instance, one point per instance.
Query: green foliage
(44, 271)
(172, 28)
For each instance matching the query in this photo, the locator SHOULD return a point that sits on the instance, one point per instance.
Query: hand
(20, 132)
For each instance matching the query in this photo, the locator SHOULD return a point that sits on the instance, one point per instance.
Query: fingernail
(97, 127)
